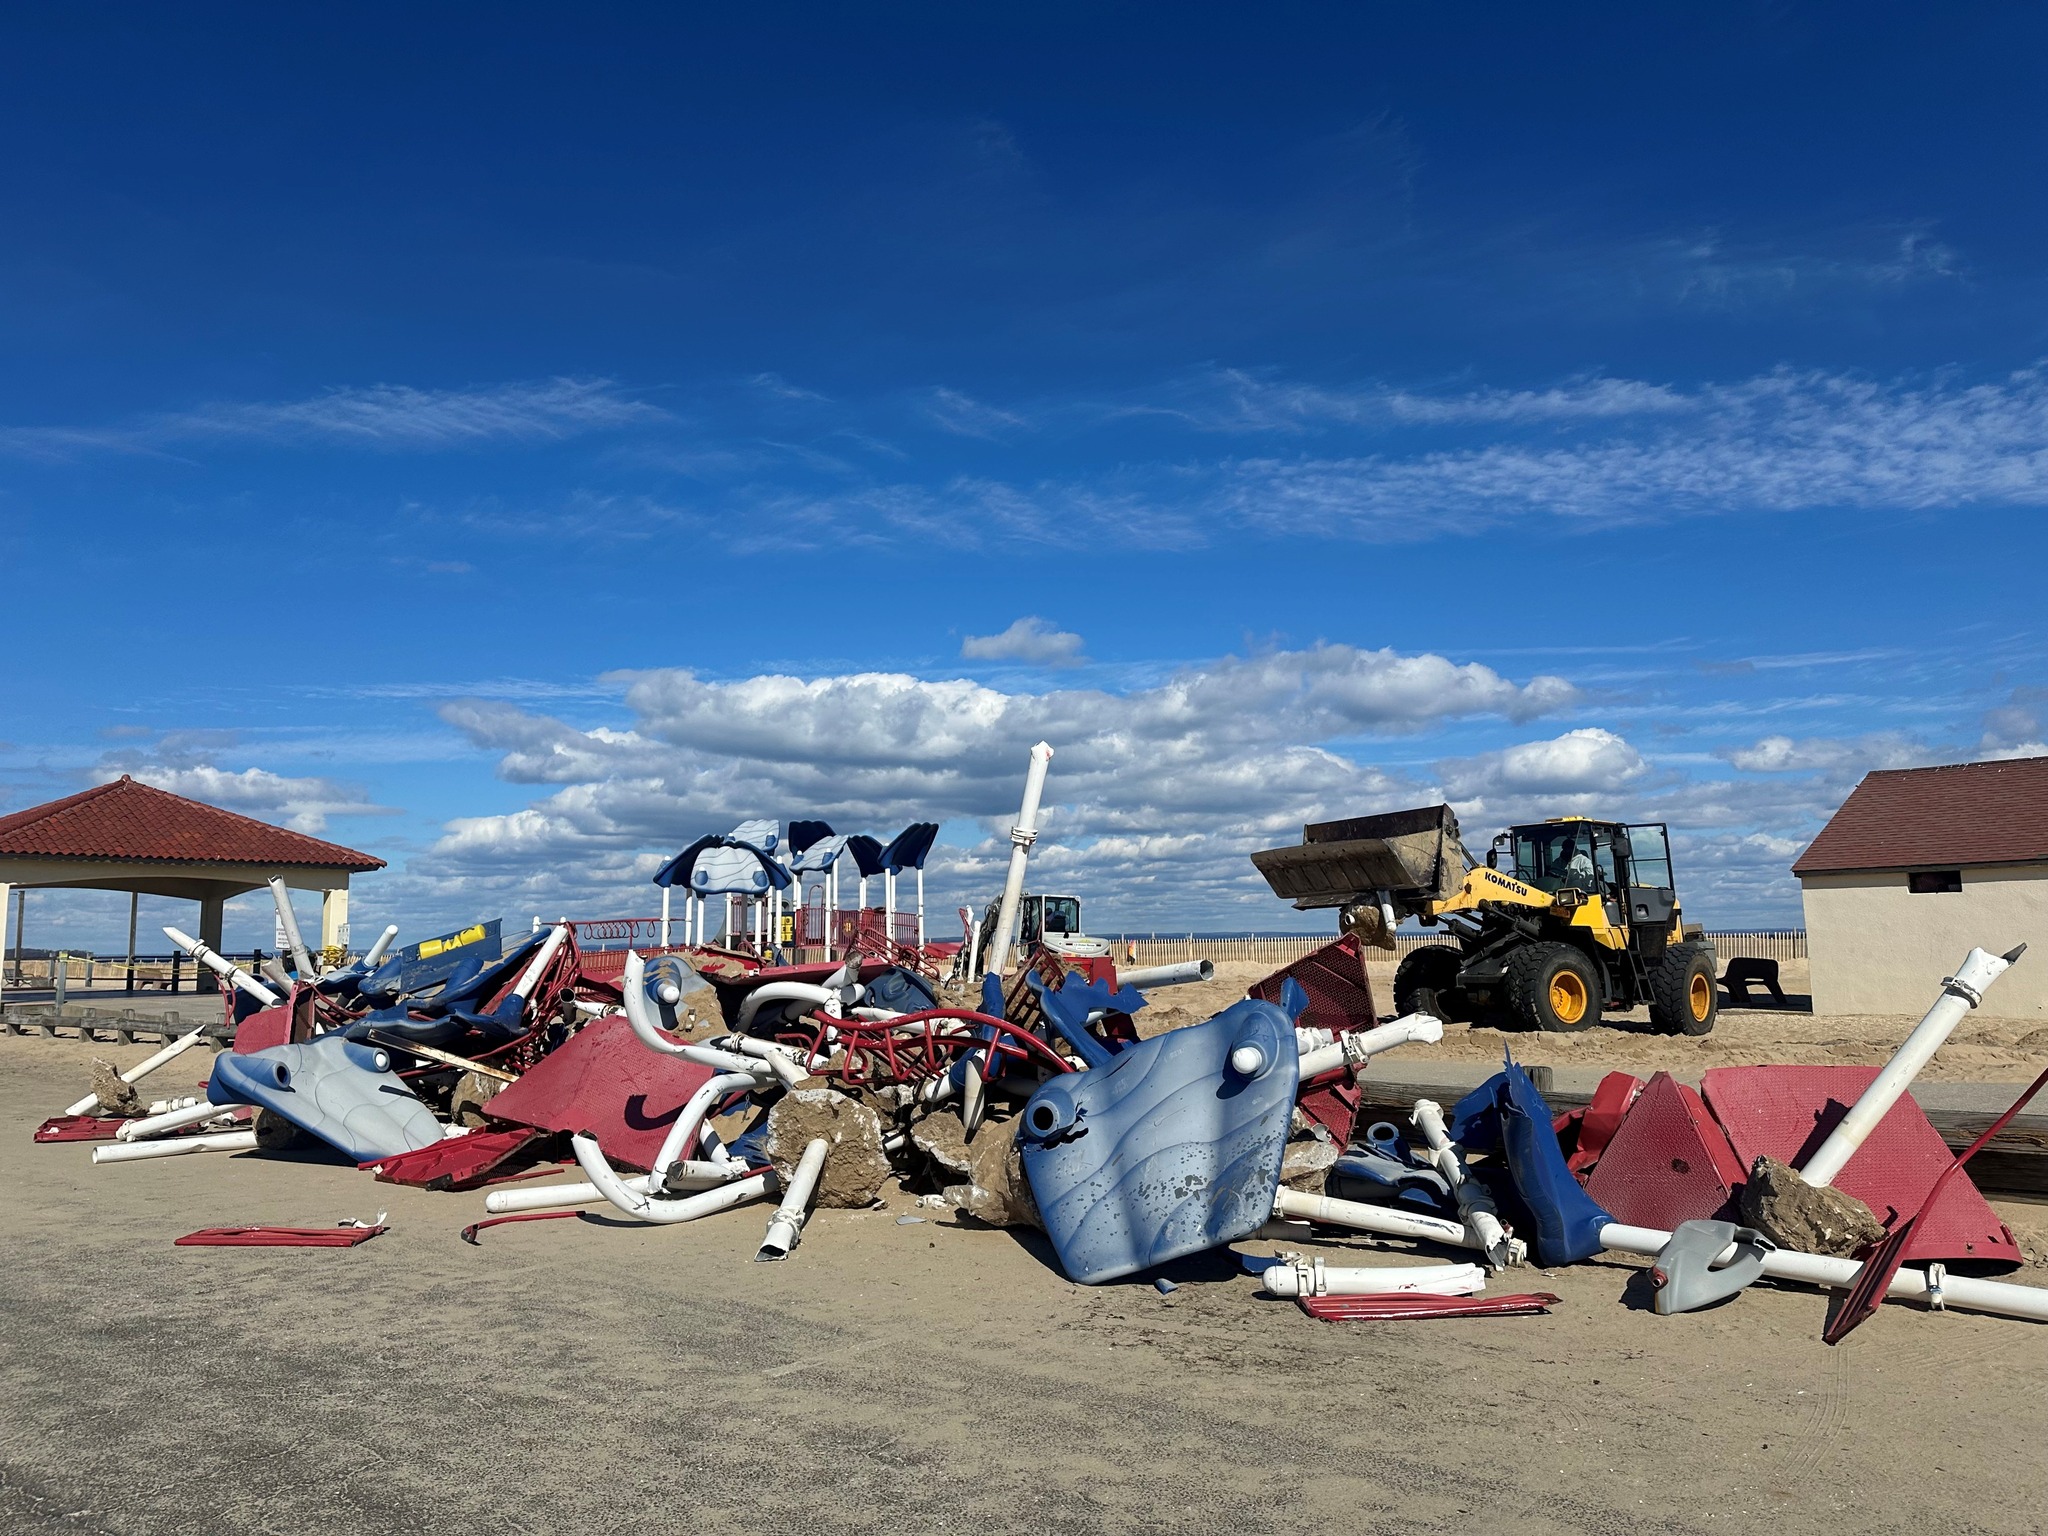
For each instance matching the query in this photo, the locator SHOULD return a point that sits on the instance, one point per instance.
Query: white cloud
(303, 804)
(964, 416)
(1157, 795)
(1586, 762)
(1033, 640)
(385, 416)
(1816, 754)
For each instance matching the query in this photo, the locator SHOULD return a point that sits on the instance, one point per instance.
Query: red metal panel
(1669, 1162)
(606, 1082)
(459, 1162)
(1788, 1111)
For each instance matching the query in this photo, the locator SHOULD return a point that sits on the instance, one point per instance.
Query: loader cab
(1049, 915)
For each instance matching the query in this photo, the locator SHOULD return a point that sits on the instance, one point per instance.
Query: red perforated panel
(606, 1082)
(1669, 1162)
(1788, 1111)
(1339, 998)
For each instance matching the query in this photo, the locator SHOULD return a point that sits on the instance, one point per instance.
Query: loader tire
(1683, 997)
(1553, 987)
(1426, 981)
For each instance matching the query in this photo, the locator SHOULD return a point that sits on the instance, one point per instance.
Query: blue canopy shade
(910, 847)
(867, 854)
(677, 870)
(804, 834)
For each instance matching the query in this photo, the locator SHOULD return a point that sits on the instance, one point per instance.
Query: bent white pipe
(1022, 836)
(1360, 1046)
(683, 1134)
(1999, 1296)
(552, 1197)
(143, 1068)
(1385, 1220)
(1481, 1216)
(233, 974)
(176, 1146)
(172, 1120)
(288, 921)
(1180, 974)
(786, 992)
(1959, 994)
(647, 1207)
(778, 1058)
(787, 1224)
(377, 950)
(1294, 1275)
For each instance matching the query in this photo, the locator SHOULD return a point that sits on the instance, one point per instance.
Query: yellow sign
(433, 947)
(788, 929)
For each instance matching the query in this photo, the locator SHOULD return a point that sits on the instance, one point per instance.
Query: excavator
(1565, 920)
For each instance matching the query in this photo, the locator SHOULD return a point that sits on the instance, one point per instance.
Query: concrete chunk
(1795, 1215)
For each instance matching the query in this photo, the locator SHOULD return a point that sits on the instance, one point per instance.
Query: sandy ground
(1982, 1050)
(588, 1375)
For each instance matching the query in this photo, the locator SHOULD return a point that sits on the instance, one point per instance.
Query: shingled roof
(1926, 818)
(131, 821)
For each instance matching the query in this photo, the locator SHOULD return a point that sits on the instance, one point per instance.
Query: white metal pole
(176, 1146)
(788, 1220)
(233, 973)
(142, 1069)
(1959, 994)
(664, 917)
(920, 906)
(889, 904)
(1022, 836)
(377, 950)
(288, 921)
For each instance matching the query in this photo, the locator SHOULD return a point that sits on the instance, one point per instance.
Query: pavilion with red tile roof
(134, 837)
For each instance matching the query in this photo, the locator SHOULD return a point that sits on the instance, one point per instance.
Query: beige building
(1919, 865)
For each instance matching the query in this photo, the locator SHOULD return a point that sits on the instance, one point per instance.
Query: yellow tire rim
(1568, 997)
(1701, 995)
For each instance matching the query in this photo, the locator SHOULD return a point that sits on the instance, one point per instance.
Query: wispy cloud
(379, 416)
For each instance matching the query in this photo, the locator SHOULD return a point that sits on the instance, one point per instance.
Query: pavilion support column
(4, 889)
(333, 926)
(211, 915)
(134, 910)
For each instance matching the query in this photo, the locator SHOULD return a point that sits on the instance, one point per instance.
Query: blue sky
(514, 442)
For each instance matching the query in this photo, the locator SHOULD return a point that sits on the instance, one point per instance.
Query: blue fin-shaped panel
(1165, 1149)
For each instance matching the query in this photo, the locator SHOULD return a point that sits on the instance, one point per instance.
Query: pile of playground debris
(691, 1080)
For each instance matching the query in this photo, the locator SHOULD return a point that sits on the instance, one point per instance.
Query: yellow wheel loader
(1565, 920)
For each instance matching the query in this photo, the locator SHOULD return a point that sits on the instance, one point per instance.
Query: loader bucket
(1415, 856)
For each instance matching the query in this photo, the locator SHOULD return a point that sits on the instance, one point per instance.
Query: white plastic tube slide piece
(143, 1068)
(1178, 974)
(1968, 1292)
(171, 1120)
(1385, 1220)
(378, 950)
(690, 1123)
(1295, 1275)
(1959, 994)
(177, 1146)
(1360, 1046)
(690, 1176)
(232, 973)
(537, 967)
(787, 1224)
(778, 1057)
(1475, 1206)
(652, 1208)
(786, 992)
(288, 922)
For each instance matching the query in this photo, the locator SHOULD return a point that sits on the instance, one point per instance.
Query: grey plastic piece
(1685, 1276)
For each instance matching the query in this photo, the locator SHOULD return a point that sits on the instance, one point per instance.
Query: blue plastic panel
(1165, 1150)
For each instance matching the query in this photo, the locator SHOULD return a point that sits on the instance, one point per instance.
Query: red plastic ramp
(1787, 1112)
(1340, 999)
(1668, 1162)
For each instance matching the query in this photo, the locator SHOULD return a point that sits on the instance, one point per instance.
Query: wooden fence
(1283, 949)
